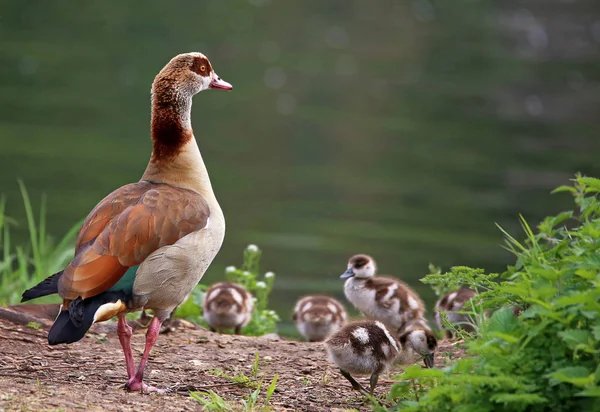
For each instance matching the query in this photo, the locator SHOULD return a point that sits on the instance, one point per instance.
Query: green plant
(34, 325)
(23, 267)
(263, 319)
(239, 377)
(546, 358)
(213, 402)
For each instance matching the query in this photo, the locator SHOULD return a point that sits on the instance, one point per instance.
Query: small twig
(191, 388)
(17, 375)
(18, 338)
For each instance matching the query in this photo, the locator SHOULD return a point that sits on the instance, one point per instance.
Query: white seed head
(269, 275)
(246, 273)
(252, 248)
(261, 285)
(230, 269)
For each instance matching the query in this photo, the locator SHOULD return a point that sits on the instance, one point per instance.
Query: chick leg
(355, 385)
(373, 382)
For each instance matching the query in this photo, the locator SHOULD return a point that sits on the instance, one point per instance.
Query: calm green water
(400, 129)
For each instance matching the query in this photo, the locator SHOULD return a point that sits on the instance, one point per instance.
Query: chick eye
(203, 68)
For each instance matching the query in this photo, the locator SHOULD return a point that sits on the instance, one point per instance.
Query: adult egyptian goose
(317, 317)
(387, 300)
(147, 244)
(450, 304)
(362, 348)
(227, 306)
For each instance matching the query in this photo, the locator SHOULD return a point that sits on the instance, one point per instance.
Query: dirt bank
(85, 375)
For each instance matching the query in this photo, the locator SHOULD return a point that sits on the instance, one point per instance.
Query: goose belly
(166, 278)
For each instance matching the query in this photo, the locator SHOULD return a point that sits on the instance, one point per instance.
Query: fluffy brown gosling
(227, 306)
(317, 317)
(362, 348)
(451, 303)
(417, 341)
(387, 300)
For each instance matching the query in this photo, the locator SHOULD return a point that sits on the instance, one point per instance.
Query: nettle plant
(547, 357)
(263, 320)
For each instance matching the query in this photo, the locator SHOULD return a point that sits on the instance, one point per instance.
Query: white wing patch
(361, 334)
(236, 296)
(332, 307)
(387, 334)
(213, 293)
(412, 302)
(390, 292)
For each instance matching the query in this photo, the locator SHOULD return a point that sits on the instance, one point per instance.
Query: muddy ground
(85, 375)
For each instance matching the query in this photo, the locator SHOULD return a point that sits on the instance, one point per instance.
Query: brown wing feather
(124, 229)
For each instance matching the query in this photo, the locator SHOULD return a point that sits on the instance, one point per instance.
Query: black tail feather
(47, 286)
(72, 323)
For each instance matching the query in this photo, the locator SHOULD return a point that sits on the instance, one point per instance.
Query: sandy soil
(36, 377)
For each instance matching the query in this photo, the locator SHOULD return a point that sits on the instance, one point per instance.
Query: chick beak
(347, 274)
(218, 83)
(428, 360)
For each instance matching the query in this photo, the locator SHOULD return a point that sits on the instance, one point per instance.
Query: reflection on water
(400, 130)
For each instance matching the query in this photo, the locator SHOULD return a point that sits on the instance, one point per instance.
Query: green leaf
(503, 321)
(576, 375)
(564, 188)
(518, 398)
(416, 372)
(593, 184)
(590, 392)
(549, 223)
(271, 389)
(575, 336)
(504, 336)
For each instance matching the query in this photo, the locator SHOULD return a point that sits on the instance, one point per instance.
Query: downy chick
(227, 306)
(362, 348)
(450, 304)
(387, 300)
(317, 317)
(417, 341)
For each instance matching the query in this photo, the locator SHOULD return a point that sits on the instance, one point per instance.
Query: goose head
(360, 266)
(188, 74)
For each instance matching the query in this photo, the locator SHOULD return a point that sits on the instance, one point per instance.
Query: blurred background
(401, 129)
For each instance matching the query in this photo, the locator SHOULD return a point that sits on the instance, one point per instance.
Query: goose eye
(203, 68)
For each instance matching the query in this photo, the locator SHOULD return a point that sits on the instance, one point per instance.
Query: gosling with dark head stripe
(417, 341)
(387, 300)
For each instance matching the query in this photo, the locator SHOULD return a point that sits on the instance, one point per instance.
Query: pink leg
(136, 383)
(124, 331)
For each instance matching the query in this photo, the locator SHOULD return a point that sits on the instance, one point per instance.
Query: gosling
(417, 341)
(387, 300)
(228, 306)
(451, 304)
(317, 317)
(362, 348)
